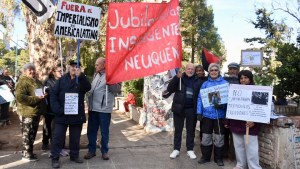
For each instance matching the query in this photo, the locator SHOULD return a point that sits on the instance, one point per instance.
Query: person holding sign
(211, 116)
(246, 153)
(100, 108)
(184, 85)
(30, 106)
(7, 80)
(67, 103)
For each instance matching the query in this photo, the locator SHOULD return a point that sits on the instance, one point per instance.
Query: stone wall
(279, 146)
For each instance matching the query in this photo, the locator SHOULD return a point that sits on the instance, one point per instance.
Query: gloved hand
(199, 117)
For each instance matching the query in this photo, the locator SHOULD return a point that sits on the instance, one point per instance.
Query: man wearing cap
(232, 78)
(73, 85)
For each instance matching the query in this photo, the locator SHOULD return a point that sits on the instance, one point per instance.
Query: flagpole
(78, 57)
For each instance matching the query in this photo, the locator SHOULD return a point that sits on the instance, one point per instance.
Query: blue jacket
(211, 112)
(57, 98)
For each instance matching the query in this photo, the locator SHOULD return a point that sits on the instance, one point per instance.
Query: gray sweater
(97, 98)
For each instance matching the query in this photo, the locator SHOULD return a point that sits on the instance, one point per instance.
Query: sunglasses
(212, 70)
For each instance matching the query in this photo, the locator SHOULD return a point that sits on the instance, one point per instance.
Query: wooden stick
(247, 135)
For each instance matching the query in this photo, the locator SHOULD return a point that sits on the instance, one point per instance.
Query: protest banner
(214, 95)
(77, 20)
(249, 103)
(142, 39)
(5, 94)
(71, 104)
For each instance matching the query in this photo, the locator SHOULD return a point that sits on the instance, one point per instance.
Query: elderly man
(67, 93)
(232, 78)
(183, 107)
(101, 102)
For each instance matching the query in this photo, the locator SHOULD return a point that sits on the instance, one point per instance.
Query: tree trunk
(43, 49)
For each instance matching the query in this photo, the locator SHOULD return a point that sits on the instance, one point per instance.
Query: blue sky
(232, 20)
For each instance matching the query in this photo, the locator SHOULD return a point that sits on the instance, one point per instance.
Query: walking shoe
(76, 160)
(55, 163)
(202, 161)
(89, 155)
(191, 154)
(31, 158)
(64, 153)
(219, 162)
(174, 154)
(105, 156)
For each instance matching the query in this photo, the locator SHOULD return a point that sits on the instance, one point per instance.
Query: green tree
(198, 30)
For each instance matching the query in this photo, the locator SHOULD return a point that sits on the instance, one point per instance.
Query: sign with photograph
(214, 95)
(71, 103)
(249, 103)
(252, 58)
(77, 20)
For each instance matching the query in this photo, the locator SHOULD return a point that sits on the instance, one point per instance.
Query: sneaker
(105, 156)
(191, 154)
(64, 153)
(174, 154)
(55, 163)
(89, 155)
(30, 158)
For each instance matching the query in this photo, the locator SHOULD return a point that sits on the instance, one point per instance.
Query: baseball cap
(233, 65)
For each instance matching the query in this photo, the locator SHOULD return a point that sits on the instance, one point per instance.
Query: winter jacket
(210, 112)
(179, 98)
(49, 83)
(97, 97)
(239, 127)
(57, 98)
(29, 105)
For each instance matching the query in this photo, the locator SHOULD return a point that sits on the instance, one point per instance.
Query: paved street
(131, 148)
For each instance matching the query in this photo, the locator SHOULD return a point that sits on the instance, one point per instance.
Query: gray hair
(214, 65)
(28, 66)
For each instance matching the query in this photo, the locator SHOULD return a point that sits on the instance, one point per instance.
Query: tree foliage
(198, 30)
(282, 55)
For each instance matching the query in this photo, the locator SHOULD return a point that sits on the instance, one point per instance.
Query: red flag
(142, 39)
(208, 58)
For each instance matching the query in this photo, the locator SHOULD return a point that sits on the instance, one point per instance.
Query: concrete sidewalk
(130, 148)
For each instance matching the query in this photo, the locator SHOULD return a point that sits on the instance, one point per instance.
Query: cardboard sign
(214, 95)
(5, 94)
(142, 39)
(77, 20)
(249, 103)
(71, 103)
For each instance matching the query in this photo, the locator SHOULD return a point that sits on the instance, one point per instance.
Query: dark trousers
(190, 123)
(96, 120)
(4, 115)
(47, 128)
(60, 136)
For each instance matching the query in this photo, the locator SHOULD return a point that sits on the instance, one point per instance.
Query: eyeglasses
(58, 71)
(216, 70)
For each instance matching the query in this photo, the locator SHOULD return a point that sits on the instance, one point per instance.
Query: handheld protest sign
(249, 103)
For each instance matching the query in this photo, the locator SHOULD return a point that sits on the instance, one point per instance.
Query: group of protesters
(224, 137)
(48, 99)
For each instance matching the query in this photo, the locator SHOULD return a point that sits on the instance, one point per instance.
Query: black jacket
(180, 95)
(57, 98)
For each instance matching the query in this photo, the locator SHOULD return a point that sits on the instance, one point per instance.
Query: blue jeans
(95, 120)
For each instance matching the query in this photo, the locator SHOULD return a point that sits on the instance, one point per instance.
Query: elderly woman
(30, 106)
(212, 120)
